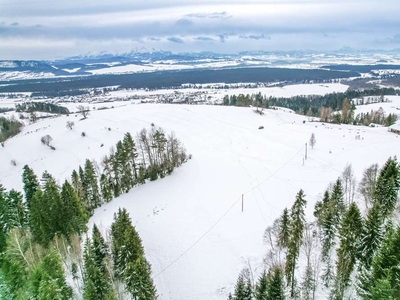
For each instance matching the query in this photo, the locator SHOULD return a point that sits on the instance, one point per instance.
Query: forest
(349, 251)
(42, 230)
(174, 79)
(41, 107)
(9, 127)
(323, 107)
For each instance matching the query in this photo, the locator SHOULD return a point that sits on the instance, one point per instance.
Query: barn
(395, 128)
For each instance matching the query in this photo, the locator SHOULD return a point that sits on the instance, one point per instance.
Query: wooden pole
(306, 150)
(242, 202)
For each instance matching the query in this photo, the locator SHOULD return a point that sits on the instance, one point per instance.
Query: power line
(226, 212)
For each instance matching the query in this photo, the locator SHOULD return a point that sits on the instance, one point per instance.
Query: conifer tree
(283, 235)
(296, 229)
(106, 188)
(30, 184)
(337, 201)
(372, 234)
(126, 245)
(132, 154)
(349, 235)
(48, 280)
(387, 187)
(77, 185)
(383, 280)
(72, 214)
(320, 208)
(243, 289)
(91, 187)
(139, 283)
(261, 290)
(276, 289)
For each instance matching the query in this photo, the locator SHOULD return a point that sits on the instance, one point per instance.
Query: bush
(83, 134)
(46, 140)
(13, 162)
(52, 147)
(70, 125)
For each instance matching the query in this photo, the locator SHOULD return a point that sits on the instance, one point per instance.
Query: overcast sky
(49, 29)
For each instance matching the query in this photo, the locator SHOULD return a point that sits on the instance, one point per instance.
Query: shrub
(46, 140)
(13, 162)
(83, 134)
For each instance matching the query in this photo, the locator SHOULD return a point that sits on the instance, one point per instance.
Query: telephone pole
(306, 151)
(242, 202)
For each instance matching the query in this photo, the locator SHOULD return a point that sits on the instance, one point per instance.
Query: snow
(16, 75)
(195, 235)
(71, 70)
(392, 106)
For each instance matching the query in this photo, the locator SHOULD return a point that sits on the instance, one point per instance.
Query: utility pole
(306, 151)
(242, 202)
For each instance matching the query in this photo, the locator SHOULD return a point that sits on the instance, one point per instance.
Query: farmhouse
(395, 128)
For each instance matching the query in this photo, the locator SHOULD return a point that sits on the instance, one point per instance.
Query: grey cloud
(255, 37)
(175, 40)
(184, 23)
(215, 15)
(14, 24)
(204, 39)
(395, 39)
(154, 39)
(223, 37)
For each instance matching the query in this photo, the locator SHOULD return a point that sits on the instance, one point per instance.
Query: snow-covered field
(390, 107)
(195, 235)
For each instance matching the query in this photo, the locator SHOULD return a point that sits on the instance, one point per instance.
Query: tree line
(345, 253)
(41, 107)
(9, 127)
(324, 107)
(41, 231)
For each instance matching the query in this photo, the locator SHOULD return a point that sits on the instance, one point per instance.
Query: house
(395, 128)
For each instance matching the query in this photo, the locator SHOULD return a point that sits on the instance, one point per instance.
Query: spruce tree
(320, 208)
(349, 235)
(387, 187)
(30, 184)
(240, 288)
(126, 245)
(132, 154)
(261, 290)
(72, 214)
(372, 234)
(91, 187)
(276, 289)
(283, 234)
(96, 278)
(139, 283)
(48, 280)
(296, 229)
(106, 188)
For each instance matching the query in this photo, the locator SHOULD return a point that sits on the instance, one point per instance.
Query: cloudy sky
(48, 29)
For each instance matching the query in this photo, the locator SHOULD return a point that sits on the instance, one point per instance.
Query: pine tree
(349, 235)
(372, 234)
(276, 289)
(131, 155)
(72, 215)
(308, 284)
(126, 245)
(337, 201)
(30, 183)
(387, 187)
(261, 290)
(96, 278)
(283, 235)
(48, 280)
(320, 208)
(384, 277)
(296, 229)
(77, 185)
(106, 188)
(139, 283)
(91, 187)
(241, 292)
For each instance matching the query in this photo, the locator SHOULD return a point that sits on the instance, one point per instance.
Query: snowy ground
(390, 107)
(195, 235)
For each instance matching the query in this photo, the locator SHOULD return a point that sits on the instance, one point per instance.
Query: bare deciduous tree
(46, 140)
(367, 184)
(70, 125)
(349, 184)
(313, 141)
(84, 111)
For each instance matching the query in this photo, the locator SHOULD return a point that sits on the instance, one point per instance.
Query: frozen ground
(390, 107)
(195, 235)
